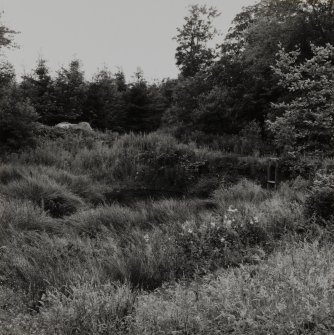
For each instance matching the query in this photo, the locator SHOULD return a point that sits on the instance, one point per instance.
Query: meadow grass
(289, 293)
(75, 261)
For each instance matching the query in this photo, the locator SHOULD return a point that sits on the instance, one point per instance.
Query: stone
(81, 125)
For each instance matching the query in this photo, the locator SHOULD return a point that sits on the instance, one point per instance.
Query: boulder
(81, 125)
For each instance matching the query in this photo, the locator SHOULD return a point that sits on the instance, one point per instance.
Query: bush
(320, 203)
(17, 124)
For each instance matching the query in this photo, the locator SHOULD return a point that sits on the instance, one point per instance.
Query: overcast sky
(113, 33)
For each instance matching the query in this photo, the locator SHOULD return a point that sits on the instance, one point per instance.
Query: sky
(124, 34)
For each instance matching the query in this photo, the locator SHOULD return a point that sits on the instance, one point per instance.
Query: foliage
(104, 107)
(70, 92)
(320, 202)
(103, 233)
(6, 36)
(17, 123)
(39, 88)
(144, 105)
(192, 52)
(239, 86)
(304, 123)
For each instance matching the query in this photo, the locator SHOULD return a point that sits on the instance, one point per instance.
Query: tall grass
(74, 259)
(290, 293)
(156, 161)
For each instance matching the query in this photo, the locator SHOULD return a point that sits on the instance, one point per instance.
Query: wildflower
(231, 209)
(190, 231)
(222, 240)
(213, 224)
(256, 219)
(187, 225)
(146, 238)
(228, 223)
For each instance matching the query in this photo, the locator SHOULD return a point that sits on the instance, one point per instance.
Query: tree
(241, 84)
(7, 73)
(17, 116)
(7, 79)
(104, 107)
(144, 105)
(258, 29)
(38, 87)
(17, 121)
(192, 53)
(70, 92)
(120, 81)
(304, 123)
(6, 36)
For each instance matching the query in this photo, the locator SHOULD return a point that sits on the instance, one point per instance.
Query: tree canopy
(193, 53)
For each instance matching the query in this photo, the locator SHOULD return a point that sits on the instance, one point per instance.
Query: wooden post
(272, 173)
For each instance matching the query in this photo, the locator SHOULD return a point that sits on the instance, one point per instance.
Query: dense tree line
(230, 87)
(107, 101)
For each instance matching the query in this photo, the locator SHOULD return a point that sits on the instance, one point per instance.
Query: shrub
(17, 123)
(293, 166)
(295, 190)
(279, 217)
(320, 203)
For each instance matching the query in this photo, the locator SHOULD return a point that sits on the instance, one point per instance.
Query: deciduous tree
(193, 53)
